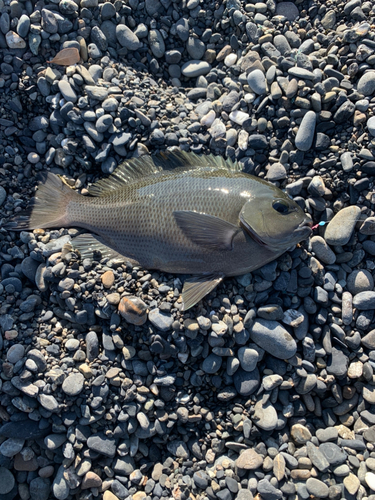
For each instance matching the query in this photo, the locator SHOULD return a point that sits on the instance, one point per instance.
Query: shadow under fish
(178, 213)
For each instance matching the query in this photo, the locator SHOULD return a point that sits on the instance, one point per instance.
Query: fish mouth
(305, 229)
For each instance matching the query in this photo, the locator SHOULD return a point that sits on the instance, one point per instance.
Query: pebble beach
(264, 390)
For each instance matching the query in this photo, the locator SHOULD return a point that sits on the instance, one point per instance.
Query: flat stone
(212, 364)
(249, 460)
(127, 38)
(364, 301)
(317, 488)
(370, 480)
(133, 310)
(351, 483)
(156, 42)
(102, 444)
(91, 480)
(67, 91)
(162, 321)
(322, 250)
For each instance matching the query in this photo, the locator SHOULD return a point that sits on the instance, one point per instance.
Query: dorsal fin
(176, 158)
(127, 171)
(136, 168)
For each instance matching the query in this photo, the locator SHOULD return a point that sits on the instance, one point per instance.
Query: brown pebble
(108, 278)
(25, 466)
(91, 480)
(300, 474)
(108, 495)
(249, 460)
(300, 433)
(140, 495)
(133, 310)
(113, 298)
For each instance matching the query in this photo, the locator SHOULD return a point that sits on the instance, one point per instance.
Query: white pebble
(243, 139)
(249, 97)
(370, 480)
(207, 120)
(238, 116)
(230, 60)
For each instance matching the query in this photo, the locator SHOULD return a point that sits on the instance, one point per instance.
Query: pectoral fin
(196, 288)
(206, 230)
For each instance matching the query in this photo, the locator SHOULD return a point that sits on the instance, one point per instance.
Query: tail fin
(48, 208)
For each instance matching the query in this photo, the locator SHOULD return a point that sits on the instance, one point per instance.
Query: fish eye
(281, 206)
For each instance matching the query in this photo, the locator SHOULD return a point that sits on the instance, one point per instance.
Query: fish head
(274, 220)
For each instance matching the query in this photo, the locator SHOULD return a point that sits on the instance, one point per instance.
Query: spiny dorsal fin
(137, 168)
(181, 159)
(127, 171)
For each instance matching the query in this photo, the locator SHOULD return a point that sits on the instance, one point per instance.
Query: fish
(178, 213)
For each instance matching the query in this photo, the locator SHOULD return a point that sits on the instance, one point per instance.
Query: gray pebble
(73, 384)
(212, 364)
(273, 338)
(305, 134)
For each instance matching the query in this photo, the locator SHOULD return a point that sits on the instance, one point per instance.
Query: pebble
(305, 135)
(366, 84)
(273, 338)
(257, 81)
(161, 320)
(127, 38)
(195, 68)
(341, 227)
(248, 358)
(364, 301)
(249, 460)
(317, 488)
(7, 481)
(370, 480)
(133, 310)
(73, 384)
(212, 364)
(322, 250)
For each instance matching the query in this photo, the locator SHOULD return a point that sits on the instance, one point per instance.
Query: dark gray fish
(178, 213)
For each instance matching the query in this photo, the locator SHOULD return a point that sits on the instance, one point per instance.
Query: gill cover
(274, 220)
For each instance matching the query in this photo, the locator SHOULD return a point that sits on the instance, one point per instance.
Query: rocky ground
(265, 389)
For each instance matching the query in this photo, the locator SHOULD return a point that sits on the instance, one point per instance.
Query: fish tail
(48, 208)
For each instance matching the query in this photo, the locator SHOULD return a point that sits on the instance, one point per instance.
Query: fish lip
(306, 224)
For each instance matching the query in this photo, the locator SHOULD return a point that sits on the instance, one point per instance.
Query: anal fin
(87, 244)
(197, 287)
